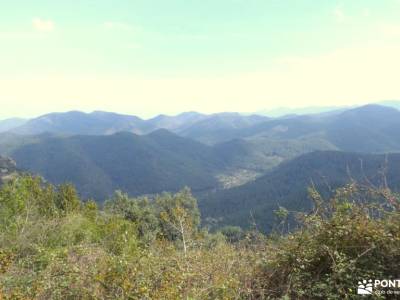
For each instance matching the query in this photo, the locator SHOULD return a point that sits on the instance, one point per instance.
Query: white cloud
(43, 25)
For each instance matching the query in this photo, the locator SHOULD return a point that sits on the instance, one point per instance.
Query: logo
(365, 287)
(378, 287)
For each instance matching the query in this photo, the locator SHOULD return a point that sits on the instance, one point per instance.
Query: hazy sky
(146, 57)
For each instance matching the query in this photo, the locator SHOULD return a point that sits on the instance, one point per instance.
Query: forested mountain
(368, 129)
(287, 184)
(11, 141)
(84, 149)
(221, 127)
(373, 125)
(176, 123)
(260, 154)
(98, 165)
(190, 124)
(9, 124)
(308, 110)
(75, 122)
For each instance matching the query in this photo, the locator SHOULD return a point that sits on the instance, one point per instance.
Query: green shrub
(341, 242)
(53, 246)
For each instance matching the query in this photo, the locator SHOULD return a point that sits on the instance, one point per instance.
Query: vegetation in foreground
(54, 246)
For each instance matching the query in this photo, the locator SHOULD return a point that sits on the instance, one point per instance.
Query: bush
(53, 246)
(344, 240)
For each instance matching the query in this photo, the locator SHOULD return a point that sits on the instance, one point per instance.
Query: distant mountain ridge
(101, 122)
(308, 110)
(76, 122)
(9, 124)
(279, 112)
(209, 129)
(106, 123)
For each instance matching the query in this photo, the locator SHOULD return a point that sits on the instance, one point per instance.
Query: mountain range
(279, 112)
(234, 163)
(189, 124)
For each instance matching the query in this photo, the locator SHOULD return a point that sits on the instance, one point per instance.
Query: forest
(53, 245)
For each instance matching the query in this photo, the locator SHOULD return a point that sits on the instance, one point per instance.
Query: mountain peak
(162, 132)
(373, 110)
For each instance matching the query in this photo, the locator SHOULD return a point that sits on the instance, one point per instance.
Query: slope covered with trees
(98, 165)
(287, 186)
(9, 124)
(244, 147)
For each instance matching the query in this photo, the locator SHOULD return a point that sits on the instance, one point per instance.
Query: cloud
(117, 25)
(43, 25)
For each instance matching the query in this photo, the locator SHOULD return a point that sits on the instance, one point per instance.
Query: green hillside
(98, 165)
(287, 186)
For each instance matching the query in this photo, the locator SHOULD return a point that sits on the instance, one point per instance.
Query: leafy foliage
(353, 236)
(54, 246)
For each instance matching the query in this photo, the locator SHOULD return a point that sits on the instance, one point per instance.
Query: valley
(234, 164)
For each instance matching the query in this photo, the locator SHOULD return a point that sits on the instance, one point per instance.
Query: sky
(146, 57)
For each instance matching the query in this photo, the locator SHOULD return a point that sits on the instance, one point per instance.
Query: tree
(233, 234)
(137, 210)
(179, 216)
(67, 199)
